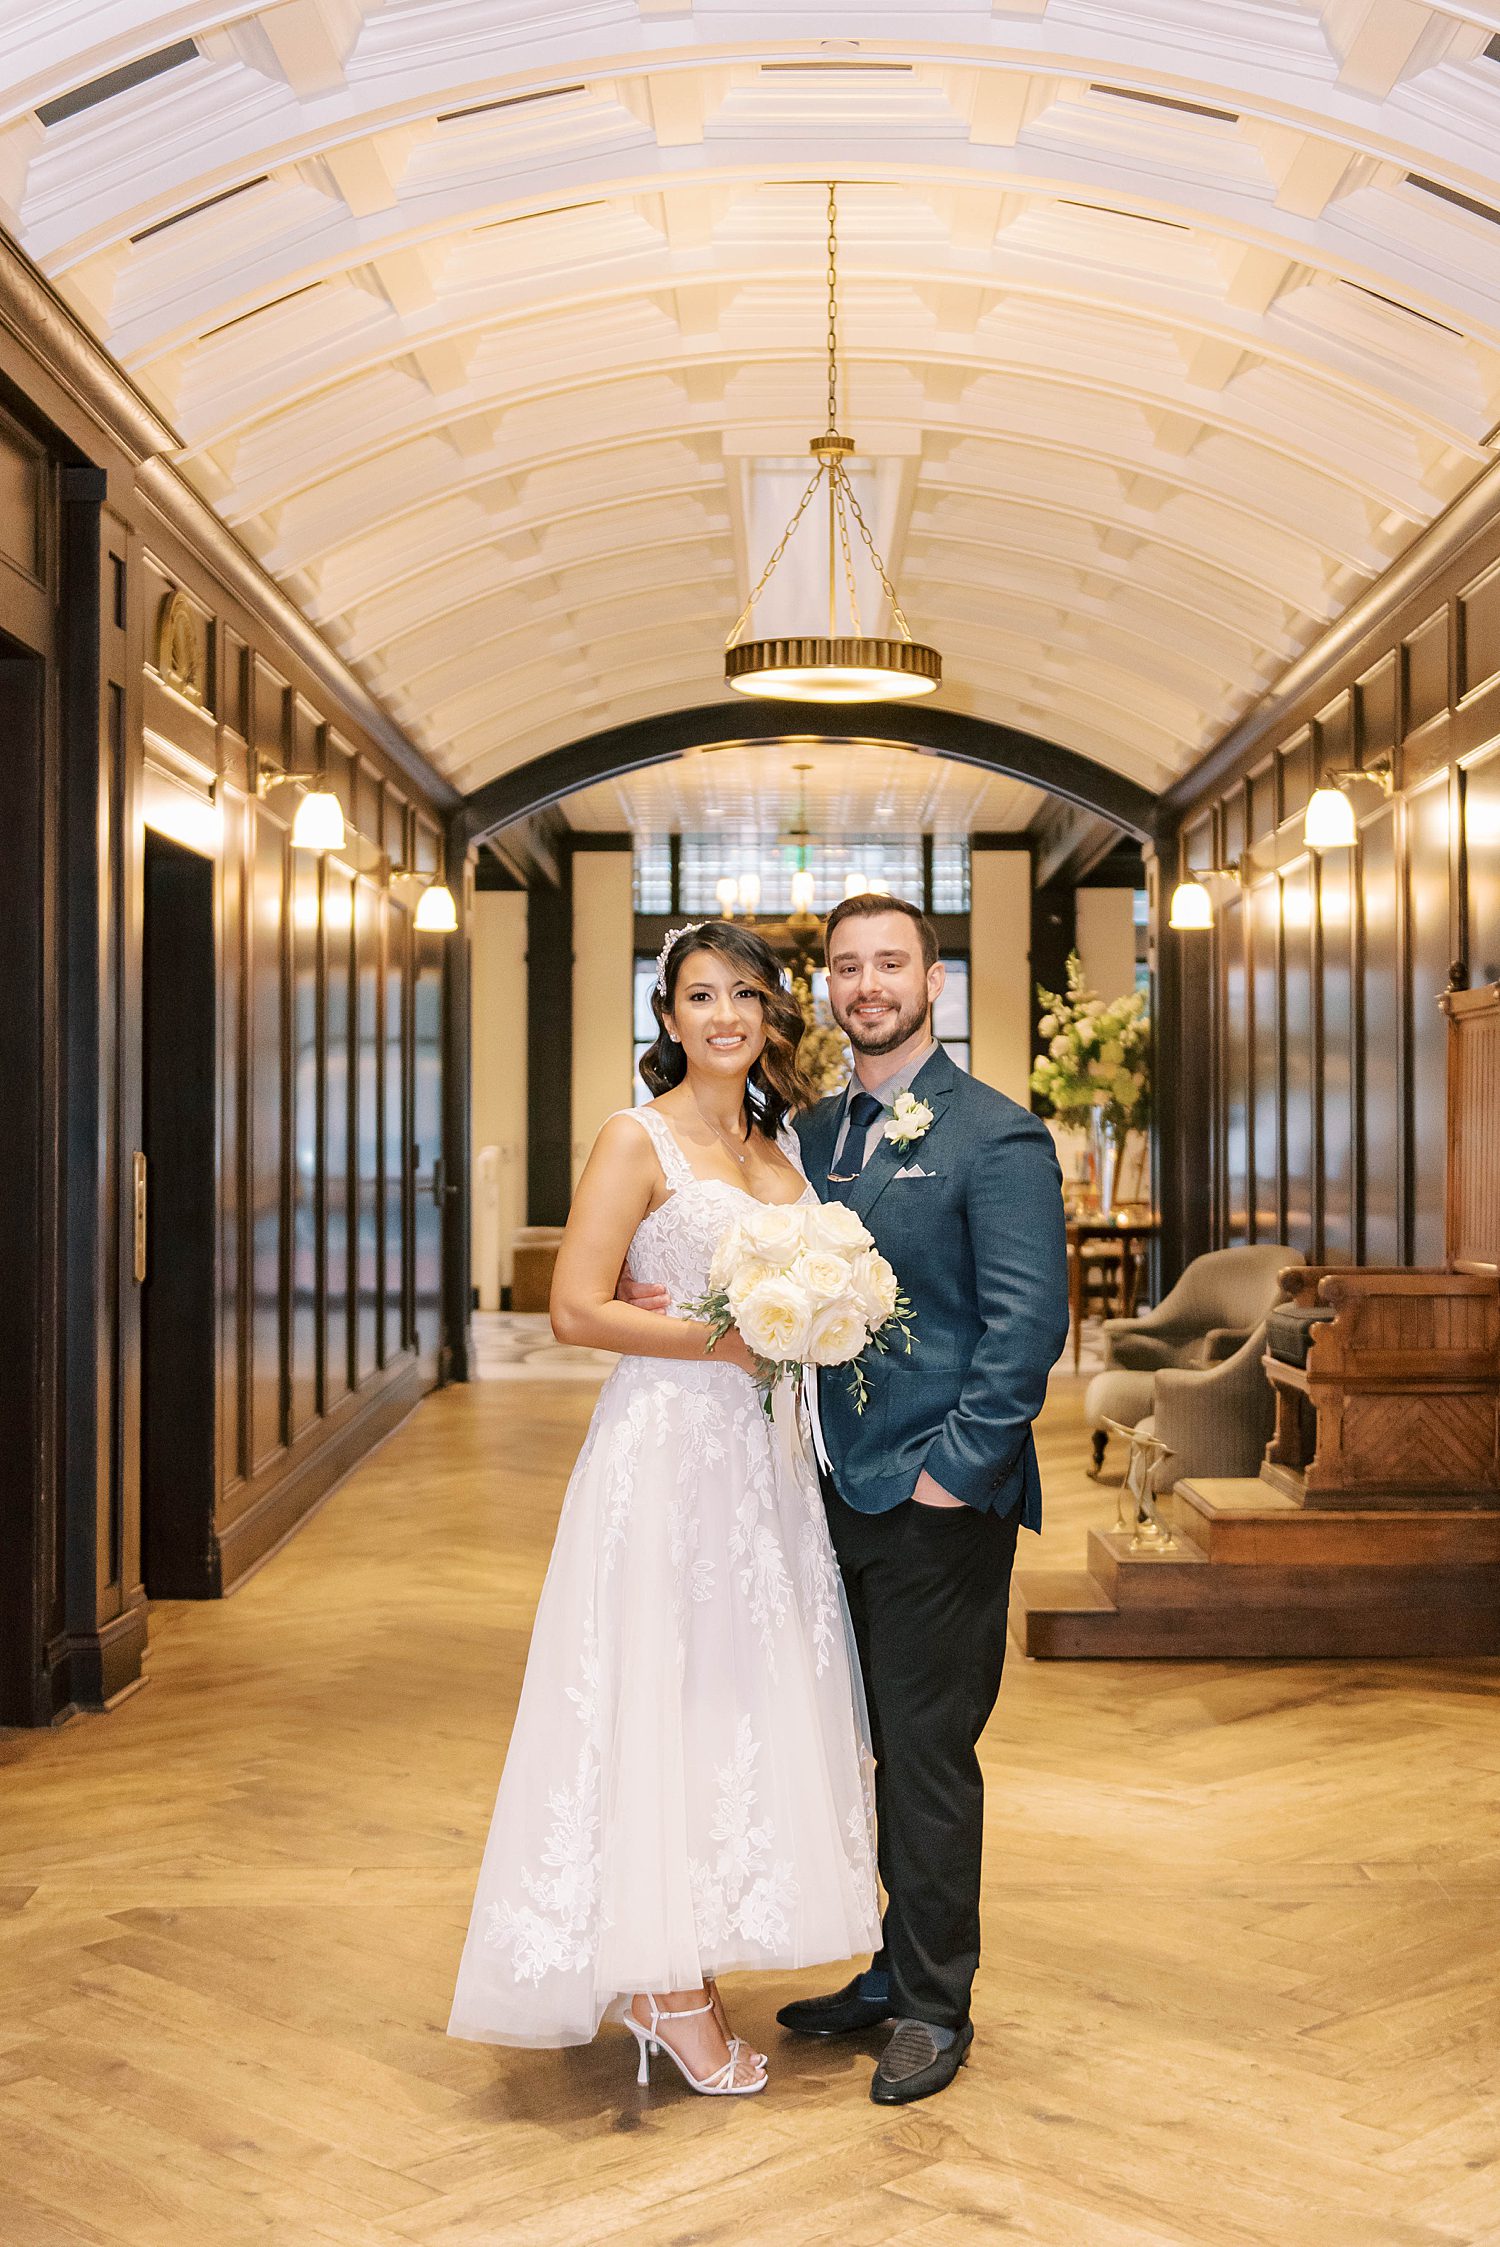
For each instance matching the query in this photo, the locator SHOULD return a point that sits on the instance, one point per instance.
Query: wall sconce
(750, 891)
(1192, 903)
(436, 913)
(804, 890)
(319, 821)
(857, 885)
(727, 891)
(1329, 823)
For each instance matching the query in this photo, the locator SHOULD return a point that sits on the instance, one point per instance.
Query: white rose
(1047, 1027)
(774, 1232)
(838, 1334)
(1085, 1032)
(727, 1256)
(1058, 1047)
(824, 1276)
(834, 1226)
(745, 1279)
(776, 1319)
(875, 1286)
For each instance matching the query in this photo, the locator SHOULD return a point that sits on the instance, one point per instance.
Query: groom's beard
(885, 1036)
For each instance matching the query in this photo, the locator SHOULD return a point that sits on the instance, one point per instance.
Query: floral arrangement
(823, 1055)
(805, 1285)
(1097, 1057)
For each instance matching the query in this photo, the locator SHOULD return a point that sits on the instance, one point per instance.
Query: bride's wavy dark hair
(776, 1087)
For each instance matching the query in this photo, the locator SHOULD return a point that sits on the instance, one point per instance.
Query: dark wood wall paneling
(330, 1069)
(1321, 1121)
(324, 1135)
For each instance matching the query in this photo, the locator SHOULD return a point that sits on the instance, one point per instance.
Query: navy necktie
(863, 1109)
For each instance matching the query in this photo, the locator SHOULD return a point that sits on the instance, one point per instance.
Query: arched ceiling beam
(623, 749)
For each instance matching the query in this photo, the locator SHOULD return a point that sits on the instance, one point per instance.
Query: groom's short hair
(868, 901)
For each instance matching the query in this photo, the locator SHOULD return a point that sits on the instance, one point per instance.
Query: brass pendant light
(839, 665)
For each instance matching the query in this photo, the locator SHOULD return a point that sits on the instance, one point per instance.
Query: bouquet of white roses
(805, 1285)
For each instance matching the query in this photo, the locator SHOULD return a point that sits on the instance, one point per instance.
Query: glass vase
(1104, 1154)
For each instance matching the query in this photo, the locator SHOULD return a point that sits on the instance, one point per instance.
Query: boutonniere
(910, 1117)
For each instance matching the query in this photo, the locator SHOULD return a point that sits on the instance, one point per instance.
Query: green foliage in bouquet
(1094, 1055)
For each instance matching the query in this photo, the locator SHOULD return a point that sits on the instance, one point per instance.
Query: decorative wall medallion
(181, 652)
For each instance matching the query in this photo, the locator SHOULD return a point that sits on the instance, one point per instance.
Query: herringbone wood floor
(1240, 1982)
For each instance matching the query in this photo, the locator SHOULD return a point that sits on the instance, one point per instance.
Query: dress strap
(675, 1167)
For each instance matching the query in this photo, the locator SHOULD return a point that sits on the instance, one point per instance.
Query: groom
(961, 1190)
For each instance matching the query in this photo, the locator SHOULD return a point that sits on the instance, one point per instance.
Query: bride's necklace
(741, 1155)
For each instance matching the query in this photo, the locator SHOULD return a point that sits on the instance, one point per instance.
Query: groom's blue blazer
(971, 1216)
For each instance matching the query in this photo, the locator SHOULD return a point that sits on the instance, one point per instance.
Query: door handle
(138, 1202)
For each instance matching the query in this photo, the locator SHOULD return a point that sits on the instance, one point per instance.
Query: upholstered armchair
(1215, 1419)
(1218, 1301)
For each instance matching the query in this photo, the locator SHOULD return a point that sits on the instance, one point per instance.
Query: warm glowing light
(727, 891)
(804, 890)
(1329, 824)
(319, 824)
(1192, 907)
(813, 670)
(750, 891)
(857, 885)
(436, 911)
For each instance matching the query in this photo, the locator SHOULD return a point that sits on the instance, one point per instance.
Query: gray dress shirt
(887, 1094)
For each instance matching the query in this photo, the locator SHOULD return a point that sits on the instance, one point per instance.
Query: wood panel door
(179, 1050)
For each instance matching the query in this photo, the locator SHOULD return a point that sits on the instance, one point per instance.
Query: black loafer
(913, 2066)
(845, 2013)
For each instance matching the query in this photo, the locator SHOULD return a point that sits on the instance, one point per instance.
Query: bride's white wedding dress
(688, 1788)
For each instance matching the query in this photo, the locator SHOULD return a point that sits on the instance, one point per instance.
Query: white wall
(603, 960)
(497, 1013)
(1106, 939)
(1000, 969)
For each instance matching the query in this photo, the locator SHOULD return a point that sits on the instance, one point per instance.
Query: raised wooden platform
(1255, 1574)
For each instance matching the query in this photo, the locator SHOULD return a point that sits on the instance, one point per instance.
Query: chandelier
(841, 665)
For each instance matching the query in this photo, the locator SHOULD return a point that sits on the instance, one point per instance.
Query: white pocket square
(913, 1170)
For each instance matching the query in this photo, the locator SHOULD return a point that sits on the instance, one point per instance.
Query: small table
(1134, 1232)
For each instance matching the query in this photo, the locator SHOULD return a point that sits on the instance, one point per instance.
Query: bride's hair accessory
(661, 958)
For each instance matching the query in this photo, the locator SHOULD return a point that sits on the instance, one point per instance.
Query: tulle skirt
(688, 1788)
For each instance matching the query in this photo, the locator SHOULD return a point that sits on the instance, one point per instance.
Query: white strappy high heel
(720, 2085)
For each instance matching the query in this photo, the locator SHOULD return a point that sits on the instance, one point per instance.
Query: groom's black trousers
(928, 1590)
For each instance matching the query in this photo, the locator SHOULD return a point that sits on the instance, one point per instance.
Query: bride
(687, 1791)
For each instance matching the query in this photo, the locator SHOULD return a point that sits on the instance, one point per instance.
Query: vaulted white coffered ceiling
(1168, 323)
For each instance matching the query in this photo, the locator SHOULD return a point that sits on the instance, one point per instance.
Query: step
(1188, 1578)
(1243, 1522)
(1062, 1615)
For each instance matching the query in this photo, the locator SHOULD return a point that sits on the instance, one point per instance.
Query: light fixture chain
(887, 588)
(765, 576)
(833, 308)
(845, 491)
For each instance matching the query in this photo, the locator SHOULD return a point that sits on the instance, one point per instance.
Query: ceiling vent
(256, 310)
(137, 73)
(554, 210)
(209, 202)
(1168, 101)
(839, 69)
(1139, 218)
(1467, 203)
(509, 101)
(1409, 309)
